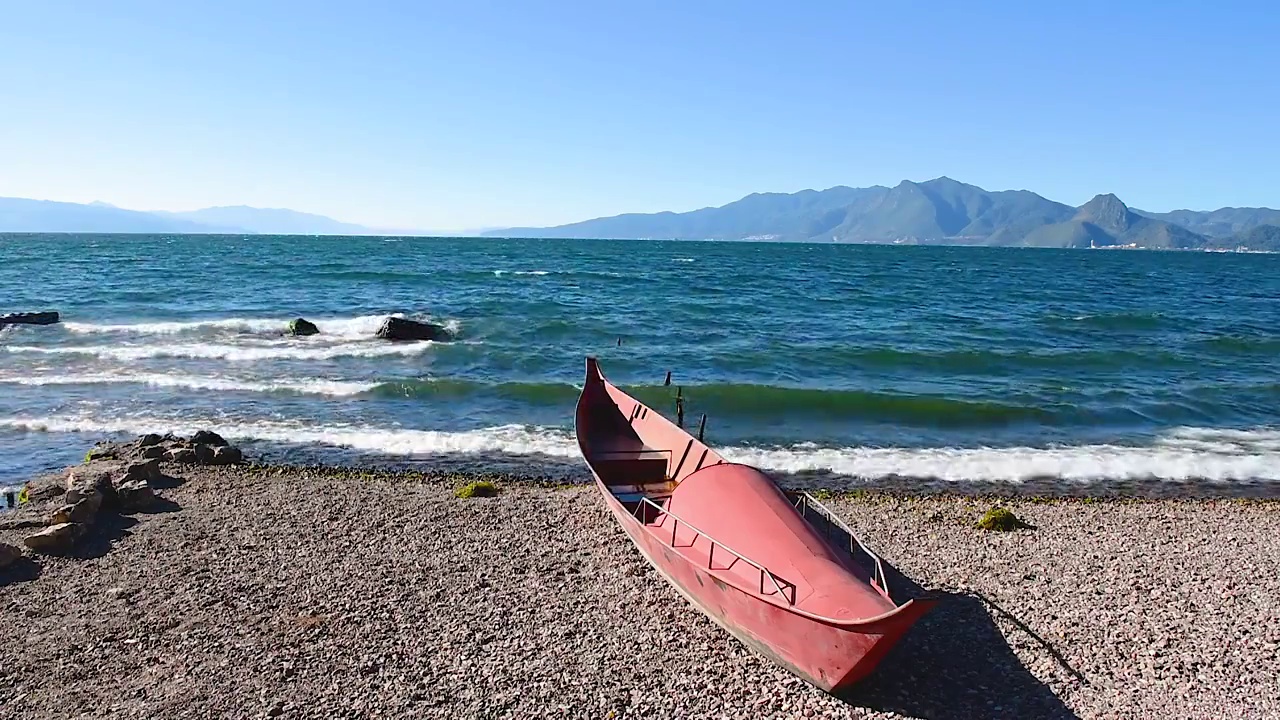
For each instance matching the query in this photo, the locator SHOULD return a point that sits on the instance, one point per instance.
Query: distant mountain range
(22, 215)
(938, 212)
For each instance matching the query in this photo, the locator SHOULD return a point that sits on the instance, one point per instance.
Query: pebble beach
(316, 592)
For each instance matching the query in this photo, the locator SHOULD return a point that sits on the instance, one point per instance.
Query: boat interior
(630, 469)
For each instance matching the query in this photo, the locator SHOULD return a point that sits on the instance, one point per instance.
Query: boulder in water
(303, 327)
(31, 318)
(394, 328)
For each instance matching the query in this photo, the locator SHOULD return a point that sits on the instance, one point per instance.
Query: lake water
(955, 364)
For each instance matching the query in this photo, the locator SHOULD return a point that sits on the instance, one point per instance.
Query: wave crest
(236, 353)
(1180, 456)
(358, 327)
(311, 386)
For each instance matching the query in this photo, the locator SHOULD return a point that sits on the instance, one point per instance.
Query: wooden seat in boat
(625, 460)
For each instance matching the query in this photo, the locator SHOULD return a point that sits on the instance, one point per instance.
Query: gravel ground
(296, 592)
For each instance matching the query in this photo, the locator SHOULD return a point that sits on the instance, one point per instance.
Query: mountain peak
(1105, 200)
(1107, 212)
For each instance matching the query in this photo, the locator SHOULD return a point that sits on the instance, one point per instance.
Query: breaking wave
(506, 439)
(316, 386)
(363, 326)
(1185, 454)
(301, 350)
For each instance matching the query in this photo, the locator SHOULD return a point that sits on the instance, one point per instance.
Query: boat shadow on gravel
(955, 664)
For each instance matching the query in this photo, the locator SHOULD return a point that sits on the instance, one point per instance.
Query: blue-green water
(867, 361)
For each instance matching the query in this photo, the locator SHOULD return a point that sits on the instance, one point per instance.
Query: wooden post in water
(680, 407)
(667, 382)
(702, 426)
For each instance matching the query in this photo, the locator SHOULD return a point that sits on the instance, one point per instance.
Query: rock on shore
(311, 592)
(115, 478)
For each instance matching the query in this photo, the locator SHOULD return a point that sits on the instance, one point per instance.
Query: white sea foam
(682, 259)
(1019, 464)
(300, 350)
(310, 386)
(500, 273)
(1166, 460)
(340, 327)
(506, 439)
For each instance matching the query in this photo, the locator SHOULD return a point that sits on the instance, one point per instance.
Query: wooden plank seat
(627, 461)
(634, 468)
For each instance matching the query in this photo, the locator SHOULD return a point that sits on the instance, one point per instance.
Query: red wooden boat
(769, 567)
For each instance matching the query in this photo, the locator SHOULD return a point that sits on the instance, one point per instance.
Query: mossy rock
(1001, 520)
(480, 488)
(302, 328)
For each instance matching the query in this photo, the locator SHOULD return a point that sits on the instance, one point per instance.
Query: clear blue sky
(466, 114)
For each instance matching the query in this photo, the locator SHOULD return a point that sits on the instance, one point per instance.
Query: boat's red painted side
(828, 625)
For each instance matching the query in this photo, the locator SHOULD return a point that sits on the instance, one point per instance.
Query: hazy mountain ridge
(23, 215)
(937, 212)
(269, 221)
(1223, 222)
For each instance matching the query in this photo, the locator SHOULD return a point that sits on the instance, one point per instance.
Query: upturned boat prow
(770, 567)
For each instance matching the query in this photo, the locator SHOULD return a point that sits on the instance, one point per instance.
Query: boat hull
(831, 656)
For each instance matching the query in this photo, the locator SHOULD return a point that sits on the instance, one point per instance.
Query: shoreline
(309, 591)
(1044, 490)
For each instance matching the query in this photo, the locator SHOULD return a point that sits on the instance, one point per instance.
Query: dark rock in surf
(394, 328)
(302, 328)
(33, 318)
(149, 440)
(208, 437)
